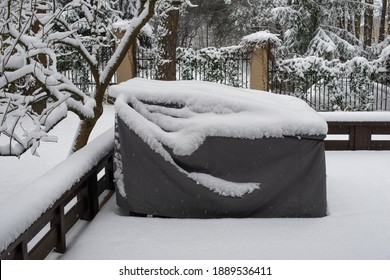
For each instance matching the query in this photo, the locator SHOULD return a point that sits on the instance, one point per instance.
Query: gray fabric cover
(291, 171)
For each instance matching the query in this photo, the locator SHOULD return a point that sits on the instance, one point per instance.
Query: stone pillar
(127, 69)
(259, 68)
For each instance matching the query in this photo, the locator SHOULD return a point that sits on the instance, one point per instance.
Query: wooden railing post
(92, 198)
(352, 138)
(59, 224)
(21, 251)
(110, 174)
(362, 137)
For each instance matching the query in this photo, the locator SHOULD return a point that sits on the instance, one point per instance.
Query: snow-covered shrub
(220, 65)
(328, 85)
(385, 58)
(360, 84)
(229, 65)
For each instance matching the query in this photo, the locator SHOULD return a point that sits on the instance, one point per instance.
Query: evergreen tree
(320, 28)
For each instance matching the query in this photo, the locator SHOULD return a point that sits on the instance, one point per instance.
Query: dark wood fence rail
(82, 199)
(359, 134)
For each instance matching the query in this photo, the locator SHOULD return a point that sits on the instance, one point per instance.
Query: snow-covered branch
(131, 31)
(34, 96)
(34, 37)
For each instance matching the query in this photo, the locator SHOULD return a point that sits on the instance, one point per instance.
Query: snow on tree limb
(34, 96)
(124, 45)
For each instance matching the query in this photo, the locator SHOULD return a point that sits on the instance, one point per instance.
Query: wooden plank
(101, 185)
(362, 138)
(380, 129)
(110, 173)
(17, 252)
(44, 246)
(336, 145)
(337, 128)
(59, 223)
(92, 198)
(352, 138)
(74, 215)
(380, 145)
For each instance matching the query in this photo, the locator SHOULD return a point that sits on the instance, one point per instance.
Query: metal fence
(73, 68)
(330, 93)
(323, 93)
(232, 69)
(146, 64)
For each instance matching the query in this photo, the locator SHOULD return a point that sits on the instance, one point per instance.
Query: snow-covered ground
(17, 174)
(358, 225)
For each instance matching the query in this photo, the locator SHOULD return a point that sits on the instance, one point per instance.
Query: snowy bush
(330, 85)
(224, 65)
(228, 65)
(210, 64)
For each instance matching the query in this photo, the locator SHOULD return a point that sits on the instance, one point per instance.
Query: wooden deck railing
(359, 136)
(82, 199)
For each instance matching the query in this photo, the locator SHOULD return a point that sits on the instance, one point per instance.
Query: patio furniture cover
(277, 175)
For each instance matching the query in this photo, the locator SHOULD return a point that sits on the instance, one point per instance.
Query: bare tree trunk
(86, 126)
(41, 58)
(350, 23)
(341, 21)
(368, 24)
(357, 22)
(207, 35)
(383, 22)
(166, 70)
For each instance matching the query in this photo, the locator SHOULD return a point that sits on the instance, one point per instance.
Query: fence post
(259, 44)
(59, 223)
(91, 198)
(127, 69)
(110, 174)
(362, 137)
(259, 69)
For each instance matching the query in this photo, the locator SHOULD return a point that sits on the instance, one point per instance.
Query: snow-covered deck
(358, 225)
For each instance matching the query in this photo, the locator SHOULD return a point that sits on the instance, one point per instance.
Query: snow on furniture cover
(202, 150)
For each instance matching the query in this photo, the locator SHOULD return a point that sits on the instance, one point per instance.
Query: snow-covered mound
(181, 114)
